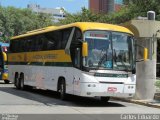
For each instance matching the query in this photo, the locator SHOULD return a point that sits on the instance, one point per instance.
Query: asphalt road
(13, 101)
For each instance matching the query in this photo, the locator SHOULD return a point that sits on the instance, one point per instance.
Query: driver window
(75, 48)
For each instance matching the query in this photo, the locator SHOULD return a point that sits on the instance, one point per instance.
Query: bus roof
(84, 26)
(37, 30)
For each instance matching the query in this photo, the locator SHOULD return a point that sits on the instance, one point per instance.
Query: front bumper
(113, 90)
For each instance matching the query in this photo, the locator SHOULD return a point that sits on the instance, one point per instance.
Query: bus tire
(21, 80)
(62, 89)
(16, 81)
(6, 81)
(105, 99)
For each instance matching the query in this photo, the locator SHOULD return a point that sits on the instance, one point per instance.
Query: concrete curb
(139, 102)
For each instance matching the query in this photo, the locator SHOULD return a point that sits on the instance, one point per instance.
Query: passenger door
(77, 71)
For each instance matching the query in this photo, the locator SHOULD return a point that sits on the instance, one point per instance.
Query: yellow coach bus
(83, 58)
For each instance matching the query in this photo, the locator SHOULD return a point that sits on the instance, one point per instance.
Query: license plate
(112, 89)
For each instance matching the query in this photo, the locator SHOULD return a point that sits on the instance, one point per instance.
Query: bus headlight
(130, 87)
(88, 93)
(91, 85)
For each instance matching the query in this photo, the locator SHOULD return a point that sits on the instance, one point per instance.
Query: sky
(71, 6)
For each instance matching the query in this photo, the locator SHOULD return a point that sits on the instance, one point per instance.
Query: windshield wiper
(115, 58)
(101, 60)
(126, 68)
(121, 60)
(124, 64)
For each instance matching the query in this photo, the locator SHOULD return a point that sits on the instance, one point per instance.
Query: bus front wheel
(62, 90)
(21, 80)
(16, 81)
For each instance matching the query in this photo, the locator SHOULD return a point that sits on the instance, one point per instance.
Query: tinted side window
(39, 44)
(75, 48)
(14, 46)
(11, 46)
(22, 45)
(47, 41)
(54, 40)
(28, 44)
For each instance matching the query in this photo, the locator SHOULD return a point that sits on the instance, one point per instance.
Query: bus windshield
(109, 50)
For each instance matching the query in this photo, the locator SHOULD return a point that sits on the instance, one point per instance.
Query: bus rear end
(3, 62)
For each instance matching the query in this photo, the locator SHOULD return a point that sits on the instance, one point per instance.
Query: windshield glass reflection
(109, 50)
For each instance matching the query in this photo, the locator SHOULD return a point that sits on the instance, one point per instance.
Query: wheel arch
(61, 78)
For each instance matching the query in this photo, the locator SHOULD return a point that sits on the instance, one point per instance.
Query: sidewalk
(150, 103)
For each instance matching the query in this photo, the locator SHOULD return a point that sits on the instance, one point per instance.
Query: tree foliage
(15, 21)
(131, 10)
(157, 84)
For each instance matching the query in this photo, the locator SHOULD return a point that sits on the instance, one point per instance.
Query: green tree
(131, 10)
(15, 21)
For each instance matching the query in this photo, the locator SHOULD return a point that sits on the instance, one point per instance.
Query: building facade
(105, 6)
(57, 13)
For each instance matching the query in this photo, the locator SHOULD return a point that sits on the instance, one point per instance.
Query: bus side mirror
(145, 54)
(84, 49)
(141, 53)
(4, 56)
